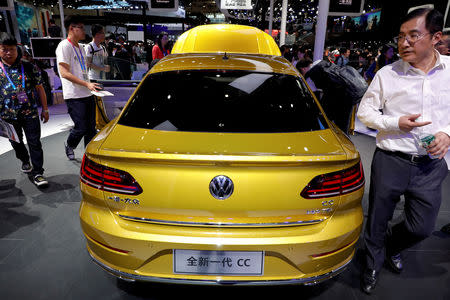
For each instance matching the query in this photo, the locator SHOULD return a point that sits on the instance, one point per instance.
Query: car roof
(208, 61)
(229, 38)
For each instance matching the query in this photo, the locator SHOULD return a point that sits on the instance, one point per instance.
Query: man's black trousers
(82, 113)
(32, 129)
(420, 183)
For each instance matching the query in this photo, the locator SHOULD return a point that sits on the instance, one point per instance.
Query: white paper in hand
(102, 93)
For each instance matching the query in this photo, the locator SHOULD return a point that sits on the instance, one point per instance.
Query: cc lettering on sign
(243, 262)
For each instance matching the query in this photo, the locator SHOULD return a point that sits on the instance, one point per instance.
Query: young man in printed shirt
(18, 106)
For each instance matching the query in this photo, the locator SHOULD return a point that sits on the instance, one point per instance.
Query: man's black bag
(342, 88)
(350, 85)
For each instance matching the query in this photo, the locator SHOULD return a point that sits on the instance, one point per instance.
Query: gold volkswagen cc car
(222, 168)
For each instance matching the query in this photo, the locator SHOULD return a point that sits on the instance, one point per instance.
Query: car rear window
(223, 101)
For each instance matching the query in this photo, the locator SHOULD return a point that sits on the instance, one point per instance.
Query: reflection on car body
(232, 172)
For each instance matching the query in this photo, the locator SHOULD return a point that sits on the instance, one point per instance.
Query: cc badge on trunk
(221, 187)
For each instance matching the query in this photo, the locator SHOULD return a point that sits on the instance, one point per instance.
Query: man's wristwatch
(45, 110)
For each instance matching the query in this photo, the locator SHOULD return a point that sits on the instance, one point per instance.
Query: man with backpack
(343, 59)
(96, 54)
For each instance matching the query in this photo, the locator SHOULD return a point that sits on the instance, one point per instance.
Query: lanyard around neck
(9, 79)
(164, 51)
(81, 61)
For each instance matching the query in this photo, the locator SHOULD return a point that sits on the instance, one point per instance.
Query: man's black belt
(410, 157)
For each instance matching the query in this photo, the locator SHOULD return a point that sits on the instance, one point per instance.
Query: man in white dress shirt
(405, 100)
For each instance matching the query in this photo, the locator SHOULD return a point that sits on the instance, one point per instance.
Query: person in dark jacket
(53, 29)
(386, 57)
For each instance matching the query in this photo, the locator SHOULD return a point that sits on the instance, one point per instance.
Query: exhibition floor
(43, 255)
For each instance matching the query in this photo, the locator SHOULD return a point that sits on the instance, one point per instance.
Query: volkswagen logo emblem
(221, 187)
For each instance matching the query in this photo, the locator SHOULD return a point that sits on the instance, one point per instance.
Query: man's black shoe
(26, 167)
(39, 180)
(395, 263)
(446, 229)
(369, 281)
(69, 152)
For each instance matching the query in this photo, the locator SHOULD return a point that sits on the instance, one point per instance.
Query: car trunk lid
(176, 170)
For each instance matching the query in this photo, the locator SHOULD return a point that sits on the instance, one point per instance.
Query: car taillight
(335, 184)
(108, 179)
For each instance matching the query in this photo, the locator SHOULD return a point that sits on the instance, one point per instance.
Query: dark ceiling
(296, 6)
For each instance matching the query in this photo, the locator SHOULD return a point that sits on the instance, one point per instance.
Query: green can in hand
(427, 140)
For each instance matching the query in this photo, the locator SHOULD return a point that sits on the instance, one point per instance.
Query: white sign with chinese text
(218, 262)
(236, 4)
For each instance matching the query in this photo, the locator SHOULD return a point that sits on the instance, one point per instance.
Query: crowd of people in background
(362, 55)
(365, 56)
(121, 56)
(124, 56)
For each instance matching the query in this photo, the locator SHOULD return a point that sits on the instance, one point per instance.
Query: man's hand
(106, 68)
(439, 147)
(44, 115)
(92, 86)
(408, 122)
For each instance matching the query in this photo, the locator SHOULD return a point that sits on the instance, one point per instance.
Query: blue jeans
(82, 113)
(32, 129)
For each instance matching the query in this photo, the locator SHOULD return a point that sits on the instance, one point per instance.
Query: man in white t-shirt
(72, 68)
(96, 54)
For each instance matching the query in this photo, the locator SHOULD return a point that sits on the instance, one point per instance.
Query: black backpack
(346, 80)
(98, 50)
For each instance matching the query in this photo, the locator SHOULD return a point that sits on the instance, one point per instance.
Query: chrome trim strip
(350, 190)
(306, 281)
(325, 195)
(90, 183)
(103, 188)
(355, 188)
(110, 189)
(147, 220)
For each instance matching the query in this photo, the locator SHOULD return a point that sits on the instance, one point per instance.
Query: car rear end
(222, 169)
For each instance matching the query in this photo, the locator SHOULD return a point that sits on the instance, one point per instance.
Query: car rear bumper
(304, 254)
(298, 281)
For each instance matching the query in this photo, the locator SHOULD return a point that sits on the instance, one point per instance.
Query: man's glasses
(6, 50)
(411, 38)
